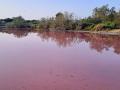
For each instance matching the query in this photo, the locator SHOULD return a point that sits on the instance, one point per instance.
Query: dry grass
(115, 31)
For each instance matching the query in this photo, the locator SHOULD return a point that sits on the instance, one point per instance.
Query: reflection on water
(96, 41)
(66, 39)
(59, 61)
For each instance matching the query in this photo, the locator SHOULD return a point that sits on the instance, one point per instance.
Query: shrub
(90, 27)
(91, 20)
(104, 26)
(109, 25)
(84, 26)
(18, 22)
(99, 27)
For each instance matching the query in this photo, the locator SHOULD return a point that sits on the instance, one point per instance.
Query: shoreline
(102, 32)
(109, 32)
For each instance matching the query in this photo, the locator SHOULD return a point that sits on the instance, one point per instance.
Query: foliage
(102, 18)
(104, 26)
(60, 19)
(90, 27)
(99, 27)
(109, 25)
(91, 20)
(18, 22)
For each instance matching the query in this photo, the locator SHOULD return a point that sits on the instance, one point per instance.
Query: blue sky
(35, 9)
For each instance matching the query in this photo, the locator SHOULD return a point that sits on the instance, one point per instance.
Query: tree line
(102, 18)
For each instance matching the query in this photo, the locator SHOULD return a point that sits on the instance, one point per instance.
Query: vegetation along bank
(102, 19)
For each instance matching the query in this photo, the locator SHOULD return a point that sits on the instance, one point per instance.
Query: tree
(51, 22)
(101, 12)
(69, 20)
(117, 19)
(91, 20)
(18, 22)
(112, 14)
(60, 19)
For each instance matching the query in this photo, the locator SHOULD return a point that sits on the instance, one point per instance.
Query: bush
(18, 22)
(90, 20)
(90, 27)
(109, 25)
(84, 25)
(99, 27)
(104, 26)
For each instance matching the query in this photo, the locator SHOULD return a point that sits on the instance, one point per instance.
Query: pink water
(59, 61)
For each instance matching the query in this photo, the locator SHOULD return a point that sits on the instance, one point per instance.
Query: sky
(36, 9)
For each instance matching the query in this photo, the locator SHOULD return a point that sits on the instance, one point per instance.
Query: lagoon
(55, 60)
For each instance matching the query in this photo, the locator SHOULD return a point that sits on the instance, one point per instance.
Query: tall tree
(69, 19)
(112, 14)
(101, 12)
(60, 19)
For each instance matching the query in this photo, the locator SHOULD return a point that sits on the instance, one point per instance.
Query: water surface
(59, 61)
